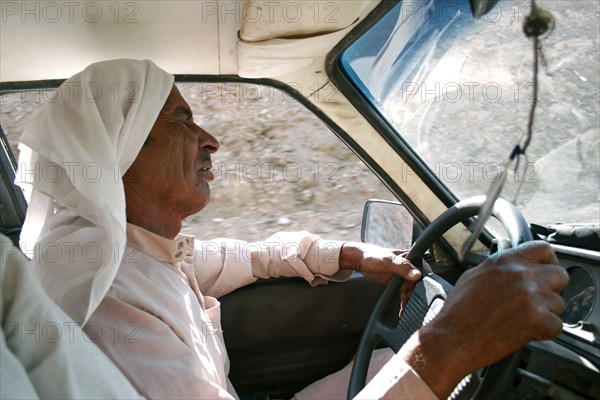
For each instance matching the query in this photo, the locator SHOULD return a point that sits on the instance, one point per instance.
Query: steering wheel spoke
(428, 297)
(390, 336)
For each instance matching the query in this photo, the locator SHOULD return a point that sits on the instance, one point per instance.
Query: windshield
(459, 91)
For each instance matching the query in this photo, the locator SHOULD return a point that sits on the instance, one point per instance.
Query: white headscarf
(73, 155)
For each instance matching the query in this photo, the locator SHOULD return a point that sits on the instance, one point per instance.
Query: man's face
(173, 166)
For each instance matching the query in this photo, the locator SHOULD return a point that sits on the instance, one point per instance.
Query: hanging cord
(537, 23)
(519, 151)
(536, 51)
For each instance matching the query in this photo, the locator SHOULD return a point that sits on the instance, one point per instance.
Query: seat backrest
(12, 205)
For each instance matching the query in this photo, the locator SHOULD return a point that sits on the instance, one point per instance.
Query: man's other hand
(380, 264)
(494, 309)
(377, 263)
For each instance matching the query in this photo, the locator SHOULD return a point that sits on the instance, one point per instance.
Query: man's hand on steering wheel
(377, 263)
(493, 310)
(380, 264)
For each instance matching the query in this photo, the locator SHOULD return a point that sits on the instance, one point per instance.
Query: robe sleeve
(388, 377)
(397, 380)
(224, 265)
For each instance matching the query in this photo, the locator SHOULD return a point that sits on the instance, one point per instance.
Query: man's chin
(206, 176)
(206, 196)
(196, 208)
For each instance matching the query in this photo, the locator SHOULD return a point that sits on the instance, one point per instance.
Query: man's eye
(182, 121)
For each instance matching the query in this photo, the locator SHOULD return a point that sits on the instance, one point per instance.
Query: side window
(17, 110)
(279, 167)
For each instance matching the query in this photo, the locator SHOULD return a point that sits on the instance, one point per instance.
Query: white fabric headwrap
(73, 155)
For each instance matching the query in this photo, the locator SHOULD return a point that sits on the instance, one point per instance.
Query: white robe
(43, 352)
(160, 323)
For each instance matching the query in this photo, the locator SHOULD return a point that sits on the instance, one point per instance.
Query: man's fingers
(550, 301)
(536, 252)
(551, 327)
(556, 304)
(556, 277)
(406, 291)
(550, 275)
(405, 269)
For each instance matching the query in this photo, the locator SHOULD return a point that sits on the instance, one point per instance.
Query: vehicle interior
(433, 97)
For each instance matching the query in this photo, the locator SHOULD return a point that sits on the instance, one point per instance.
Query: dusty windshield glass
(459, 90)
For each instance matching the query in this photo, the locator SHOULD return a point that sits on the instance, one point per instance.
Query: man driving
(147, 295)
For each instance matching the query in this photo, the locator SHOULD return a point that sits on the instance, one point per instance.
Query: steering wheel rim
(518, 232)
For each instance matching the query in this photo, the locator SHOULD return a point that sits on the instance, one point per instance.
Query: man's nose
(207, 141)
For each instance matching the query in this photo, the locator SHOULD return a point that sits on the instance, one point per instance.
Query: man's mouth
(204, 169)
(204, 162)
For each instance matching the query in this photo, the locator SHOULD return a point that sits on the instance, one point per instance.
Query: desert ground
(279, 167)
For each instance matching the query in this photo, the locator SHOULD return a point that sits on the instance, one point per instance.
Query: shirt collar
(170, 251)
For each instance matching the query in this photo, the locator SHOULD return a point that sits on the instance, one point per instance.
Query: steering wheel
(429, 294)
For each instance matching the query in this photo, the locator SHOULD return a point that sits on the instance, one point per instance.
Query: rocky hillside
(279, 167)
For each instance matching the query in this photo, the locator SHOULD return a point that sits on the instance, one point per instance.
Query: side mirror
(387, 224)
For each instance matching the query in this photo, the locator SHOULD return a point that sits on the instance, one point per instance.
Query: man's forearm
(425, 368)
(397, 380)
(435, 363)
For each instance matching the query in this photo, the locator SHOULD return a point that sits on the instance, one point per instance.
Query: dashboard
(569, 366)
(581, 317)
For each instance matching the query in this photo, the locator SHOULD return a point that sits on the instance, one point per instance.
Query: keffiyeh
(73, 156)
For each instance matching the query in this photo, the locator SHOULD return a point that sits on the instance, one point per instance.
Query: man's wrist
(436, 362)
(350, 256)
